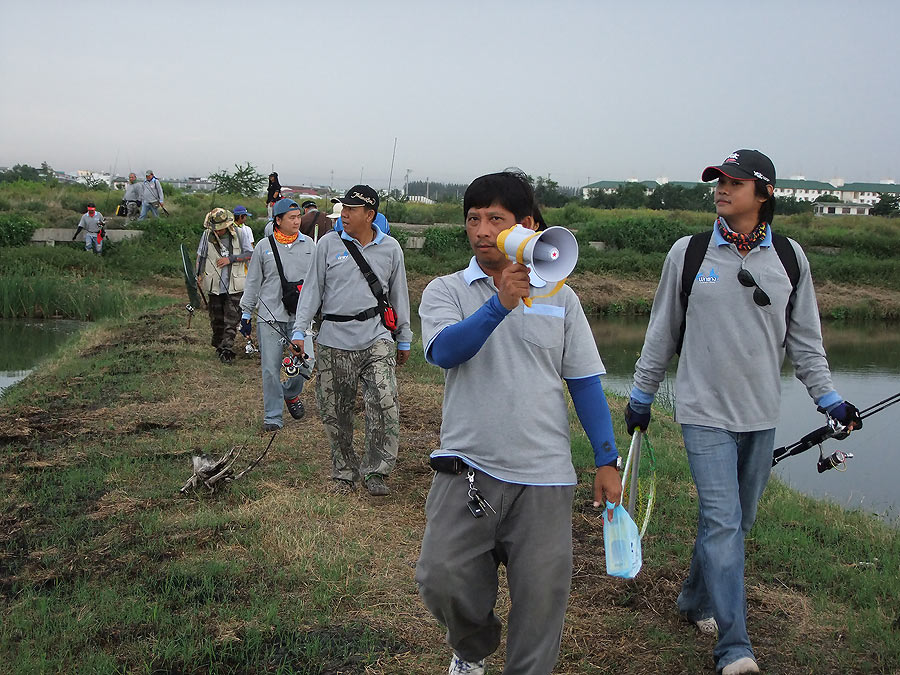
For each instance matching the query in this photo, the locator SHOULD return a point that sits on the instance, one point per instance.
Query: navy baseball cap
(241, 211)
(282, 206)
(743, 165)
(309, 203)
(359, 195)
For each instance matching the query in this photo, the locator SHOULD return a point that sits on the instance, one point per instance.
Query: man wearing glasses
(747, 301)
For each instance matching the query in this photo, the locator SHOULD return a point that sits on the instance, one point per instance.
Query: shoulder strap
(271, 238)
(374, 284)
(693, 258)
(788, 257)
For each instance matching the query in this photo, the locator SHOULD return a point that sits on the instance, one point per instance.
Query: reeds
(62, 297)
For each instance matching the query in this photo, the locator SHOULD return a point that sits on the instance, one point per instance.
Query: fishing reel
(297, 364)
(836, 460)
(250, 349)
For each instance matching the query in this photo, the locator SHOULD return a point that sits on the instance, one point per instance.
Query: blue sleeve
(459, 342)
(593, 413)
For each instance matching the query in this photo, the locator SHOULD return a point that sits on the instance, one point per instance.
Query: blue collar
(474, 272)
(379, 235)
(720, 241)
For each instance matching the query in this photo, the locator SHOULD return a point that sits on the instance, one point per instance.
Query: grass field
(106, 568)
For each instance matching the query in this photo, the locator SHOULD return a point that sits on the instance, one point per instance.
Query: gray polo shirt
(505, 408)
(91, 225)
(133, 192)
(730, 365)
(337, 285)
(151, 191)
(262, 290)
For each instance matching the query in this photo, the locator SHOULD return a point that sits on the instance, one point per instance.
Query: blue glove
(245, 328)
(637, 416)
(846, 413)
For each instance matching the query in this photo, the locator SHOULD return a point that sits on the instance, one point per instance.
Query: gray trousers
(271, 352)
(531, 534)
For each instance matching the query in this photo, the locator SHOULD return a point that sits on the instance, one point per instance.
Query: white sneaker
(461, 667)
(744, 665)
(707, 626)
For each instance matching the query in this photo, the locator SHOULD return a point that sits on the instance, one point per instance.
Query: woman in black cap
(732, 301)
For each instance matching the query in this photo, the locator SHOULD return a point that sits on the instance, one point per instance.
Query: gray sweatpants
(271, 352)
(531, 534)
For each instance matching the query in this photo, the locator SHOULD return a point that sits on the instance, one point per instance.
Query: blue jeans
(730, 470)
(91, 243)
(271, 351)
(147, 206)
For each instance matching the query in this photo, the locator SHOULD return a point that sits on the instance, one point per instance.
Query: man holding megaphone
(505, 482)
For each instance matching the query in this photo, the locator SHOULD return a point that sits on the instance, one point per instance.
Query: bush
(442, 241)
(15, 230)
(394, 211)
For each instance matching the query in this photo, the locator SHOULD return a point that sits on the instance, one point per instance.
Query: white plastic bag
(621, 543)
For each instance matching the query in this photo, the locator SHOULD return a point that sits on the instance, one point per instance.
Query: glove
(245, 328)
(846, 413)
(634, 419)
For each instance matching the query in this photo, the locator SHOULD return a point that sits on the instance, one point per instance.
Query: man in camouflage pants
(356, 342)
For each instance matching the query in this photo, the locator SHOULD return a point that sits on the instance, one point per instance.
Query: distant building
(841, 209)
(193, 184)
(867, 193)
(419, 199)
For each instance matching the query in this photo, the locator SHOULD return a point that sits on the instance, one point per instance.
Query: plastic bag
(621, 543)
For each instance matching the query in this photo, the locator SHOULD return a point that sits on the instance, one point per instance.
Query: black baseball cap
(359, 195)
(743, 165)
(308, 203)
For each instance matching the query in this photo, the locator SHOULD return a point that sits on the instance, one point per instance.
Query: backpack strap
(277, 259)
(693, 258)
(364, 267)
(788, 257)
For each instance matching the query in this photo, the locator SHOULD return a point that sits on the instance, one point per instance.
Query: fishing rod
(832, 429)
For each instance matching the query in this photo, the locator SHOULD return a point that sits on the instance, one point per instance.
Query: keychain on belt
(477, 502)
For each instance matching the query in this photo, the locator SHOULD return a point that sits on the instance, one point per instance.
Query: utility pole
(360, 174)
(391, 174)
(406, 187)
(426, 187)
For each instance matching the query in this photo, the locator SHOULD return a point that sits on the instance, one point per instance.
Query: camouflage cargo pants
(224, 317)
(340, 371)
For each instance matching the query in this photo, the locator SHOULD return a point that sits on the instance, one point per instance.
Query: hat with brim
(743, 165)
(219, 219)
(241, 211)
(309, 203)
(282, 206)
(336, 211)
(359, 195)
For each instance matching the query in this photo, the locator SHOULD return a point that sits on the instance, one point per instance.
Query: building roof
(891, 188)
(791, 184)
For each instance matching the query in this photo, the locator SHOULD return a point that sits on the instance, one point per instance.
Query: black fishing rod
(832, 429)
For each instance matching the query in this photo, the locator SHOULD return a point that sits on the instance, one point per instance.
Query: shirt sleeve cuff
(641, 396)
(403, 346)
(245, 315)
(298, 335)
(829, 401)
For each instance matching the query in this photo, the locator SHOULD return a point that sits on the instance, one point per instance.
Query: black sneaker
(376, 486)
(226, 356)
(295, 407)
(270, 426)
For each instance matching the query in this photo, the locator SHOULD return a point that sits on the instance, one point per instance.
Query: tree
(245, 181)
(547, 193)
(631, 196)
(786, 206)
(827, 198)
(20, 172)
(887, 205)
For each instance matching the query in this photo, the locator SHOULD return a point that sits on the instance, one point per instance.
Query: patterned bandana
(284, 238)
(744, 242)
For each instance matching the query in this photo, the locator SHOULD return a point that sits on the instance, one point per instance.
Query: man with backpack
(278, 270)
(732, 302)
(358, 281)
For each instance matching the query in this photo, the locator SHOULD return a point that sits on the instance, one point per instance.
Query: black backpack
(693, 258)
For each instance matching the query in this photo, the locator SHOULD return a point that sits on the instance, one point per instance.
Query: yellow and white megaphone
(551, 254)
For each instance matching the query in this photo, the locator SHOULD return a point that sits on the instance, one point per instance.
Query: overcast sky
(582, 91)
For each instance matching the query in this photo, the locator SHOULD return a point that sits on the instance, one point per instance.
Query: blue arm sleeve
(459, 342)
(593, 413)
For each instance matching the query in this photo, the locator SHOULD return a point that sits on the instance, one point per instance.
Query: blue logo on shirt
(710, 278)
(342, 256)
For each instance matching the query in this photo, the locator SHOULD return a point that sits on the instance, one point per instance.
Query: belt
(365, 315)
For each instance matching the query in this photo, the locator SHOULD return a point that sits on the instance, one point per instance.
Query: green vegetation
(106, 568)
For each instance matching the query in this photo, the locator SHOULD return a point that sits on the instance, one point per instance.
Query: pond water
(24, 342)
(865, 366)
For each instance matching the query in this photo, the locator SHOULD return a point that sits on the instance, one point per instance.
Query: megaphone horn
(551, 254)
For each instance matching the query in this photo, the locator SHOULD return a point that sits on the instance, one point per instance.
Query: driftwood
(211, 472)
